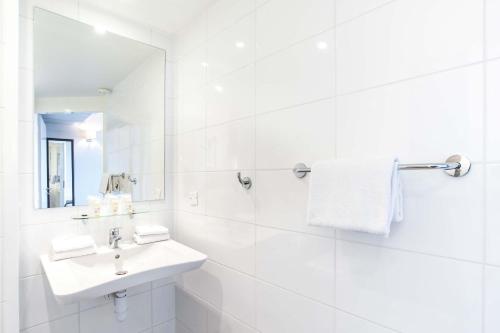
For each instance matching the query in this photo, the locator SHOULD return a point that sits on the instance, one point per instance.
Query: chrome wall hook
(245, 182)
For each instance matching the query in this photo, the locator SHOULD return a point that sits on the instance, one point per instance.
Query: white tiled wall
(270, 83)
(151, 306)
(9, 209)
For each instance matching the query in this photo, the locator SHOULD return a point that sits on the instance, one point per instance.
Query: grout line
(366, 13)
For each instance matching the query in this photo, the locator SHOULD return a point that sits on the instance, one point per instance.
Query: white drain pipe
(121, 305)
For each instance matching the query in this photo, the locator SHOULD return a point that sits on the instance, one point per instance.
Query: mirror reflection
(99, 103)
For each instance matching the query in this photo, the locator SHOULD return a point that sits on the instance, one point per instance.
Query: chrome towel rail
(455, 166)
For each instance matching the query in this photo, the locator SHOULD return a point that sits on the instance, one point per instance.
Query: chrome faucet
(114, 237)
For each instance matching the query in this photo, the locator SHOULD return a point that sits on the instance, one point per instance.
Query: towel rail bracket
(455, 166)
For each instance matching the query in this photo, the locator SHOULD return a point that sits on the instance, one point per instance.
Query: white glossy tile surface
(298, 19)
(231, 97)
(225, 289)
(225, 13)
(492, 238)
(190, 312)
(285, 78)
(231, 146)
(226, 198)
(191, 151)
(492, 28)
(302, 263)
(163, 304)
(492, 110)
(492, 299)
(348, 9)
(301, 134)
(227, 242)
(411, 119)
(346, 323)
(420, 286)
(400, 46)
(231, 49)
(281, 202)
(37, 303)
(63, 325)
(282, 311)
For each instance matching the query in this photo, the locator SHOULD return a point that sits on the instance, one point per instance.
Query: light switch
(193, 199)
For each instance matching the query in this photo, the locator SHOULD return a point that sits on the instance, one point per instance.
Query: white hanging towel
(356, 194)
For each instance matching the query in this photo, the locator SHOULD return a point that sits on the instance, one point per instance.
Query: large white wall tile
(190, 312)
(492, 235)
(281, 22)
(231, 146)
(163, 304)
(492, 28)
(191, 151)
(63, 325)
(192, 69)
(452, 222)
(190, 185)
(225, 289)
(225, 13)
(227, 242)
(191, 113)
(400, 45)
(231, 49)
(220, 322)
(492, 299)
(299, 74)
(347, 323)
(102, 319)
(231, 97)
(281, 202)
(301, 263)
(302, 134)
(282, 311)
(168, 327)
(226, 197)
(411, 119)
(397, 289)
(492, 110)
(37, 303)
(348, 9)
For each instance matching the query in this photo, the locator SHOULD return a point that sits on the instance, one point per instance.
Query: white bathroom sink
(95, 275)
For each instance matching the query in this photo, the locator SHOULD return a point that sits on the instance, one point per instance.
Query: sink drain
(121, 272)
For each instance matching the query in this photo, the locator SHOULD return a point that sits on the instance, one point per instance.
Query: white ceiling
(166, 15)
(71, 59)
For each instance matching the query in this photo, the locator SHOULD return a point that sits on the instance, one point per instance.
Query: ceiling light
(240, 44)
(104, 91)
(322, 45)
(100, 30)
(219, 88)
(204, 64)
(67, 111)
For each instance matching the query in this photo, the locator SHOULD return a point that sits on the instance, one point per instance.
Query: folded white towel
(151, 238)
(72, 246)
(146, 230)
(74, 253)
(71, 243)
(361, 195)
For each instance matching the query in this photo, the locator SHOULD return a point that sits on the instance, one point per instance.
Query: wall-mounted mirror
(99, 104)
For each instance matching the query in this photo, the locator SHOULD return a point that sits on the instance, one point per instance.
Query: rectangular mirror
(99, 107)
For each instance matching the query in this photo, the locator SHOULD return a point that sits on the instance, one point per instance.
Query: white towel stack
(361, 195)
(72, 246)
(145, 234)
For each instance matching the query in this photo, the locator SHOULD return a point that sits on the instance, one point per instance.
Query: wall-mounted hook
(246, 182)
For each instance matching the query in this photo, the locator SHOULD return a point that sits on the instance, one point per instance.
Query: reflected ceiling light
(219, 88)
(100, 30)
(321, 45)
(240, 44)
(90, 135)
(67, 111)
(204, 64)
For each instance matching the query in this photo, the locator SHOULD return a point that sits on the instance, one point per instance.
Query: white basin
(95, 275)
